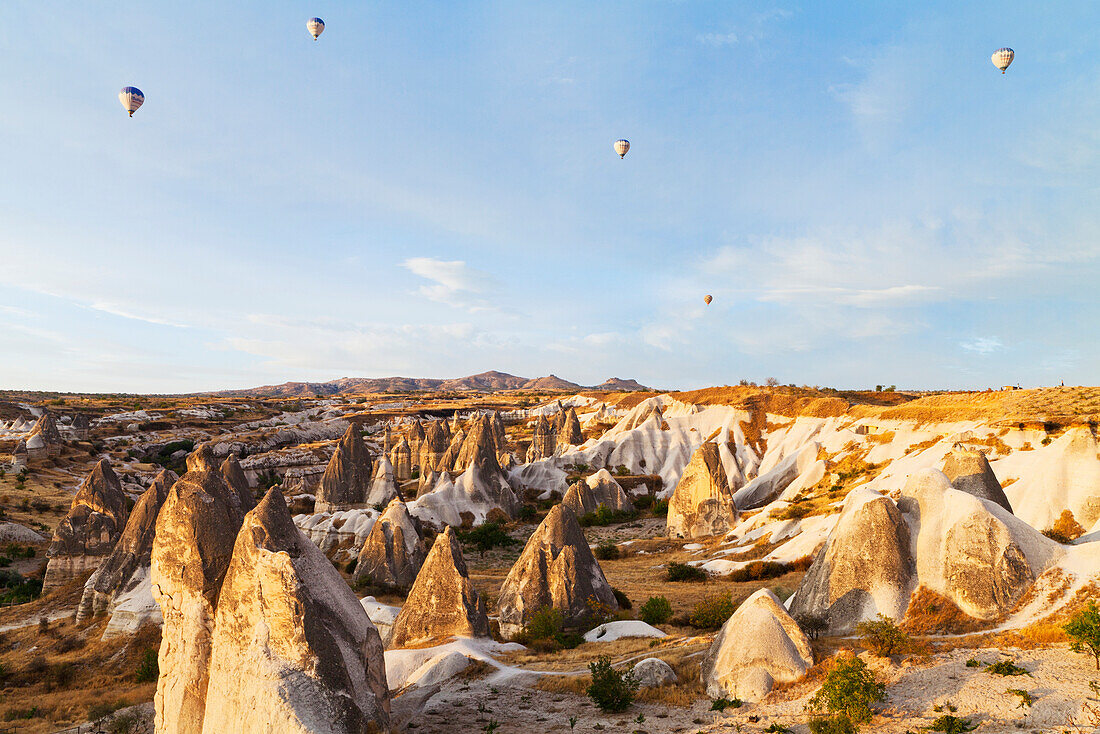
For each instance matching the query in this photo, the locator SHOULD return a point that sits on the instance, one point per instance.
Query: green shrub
(486, 537)
(643, 502)
(721, 704)
(849, 691)
(656, 610)
(973, 663)
(1006, 667)
(835, 724)
(660, 508)
(606, 516)
(883, 637)
(713, 611)
(776, 728)
(148, 669)
(952, 725)
(759, 571)
(1025, 697)
(610, 689)
(527, 513)
(606, 550)
(622, 599)
(1083, 629)
(683, 572)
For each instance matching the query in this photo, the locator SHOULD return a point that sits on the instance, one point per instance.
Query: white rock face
(382, 616)
(611, 631)
(1062, 476)
(758, 646)
(972, 550)
(383, 488)
(293, 650)
(653, 672)
(702, 503)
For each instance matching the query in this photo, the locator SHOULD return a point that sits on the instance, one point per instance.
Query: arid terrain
(453, 556)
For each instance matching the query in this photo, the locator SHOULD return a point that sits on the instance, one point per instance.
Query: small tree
(1083, 629)
(847, 695)
(883, 637)
(611, 690)
(656, 610)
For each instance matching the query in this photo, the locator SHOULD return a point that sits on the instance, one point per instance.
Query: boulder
(127, 566)
(88, 534)
(442, 602)
(968, 471)
(601, 488)
(192, 547)
(972, 550)
(702, 503)
(653, 672)
(864, 569)
(759, 645)
(347, 477)
(293, 651)
(401, 460)
(394, 551)
(556, 569)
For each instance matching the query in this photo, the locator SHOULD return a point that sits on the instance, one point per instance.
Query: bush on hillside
(713, 611)
(683, 572)
(656, 610)
(610, 689)
(844, 701)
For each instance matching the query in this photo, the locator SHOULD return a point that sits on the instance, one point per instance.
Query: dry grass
(930, 613)
(70, 671)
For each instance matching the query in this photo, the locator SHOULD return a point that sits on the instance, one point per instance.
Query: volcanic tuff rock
(601, 488)
(44, 438)
(416, 437)
(443, 602)
(758, 646)
(972, 550)
(128, 564)
(394, 551)
(543, 440)
(569, 434)
(382, 487)
(293, 651)
(427, 481)
(432, 448)
(89, 532)
(969, 471)
(478, 444)
(498, 431)
(234, 476)
(347, 477)
(864, 569)
(401, 460)
(702, 503)
(556, 569)
(192, 547)
(387, 440)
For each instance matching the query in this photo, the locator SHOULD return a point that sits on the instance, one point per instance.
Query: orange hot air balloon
(707, 299)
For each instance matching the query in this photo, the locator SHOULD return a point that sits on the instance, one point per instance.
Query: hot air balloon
(707, 299)
(621, 147)
(131, 98)
(316, 27)
(1002, 57)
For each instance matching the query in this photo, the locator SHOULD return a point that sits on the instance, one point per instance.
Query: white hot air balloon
(131, 98)
(1002, 57)
(316, 27)
(621, 147)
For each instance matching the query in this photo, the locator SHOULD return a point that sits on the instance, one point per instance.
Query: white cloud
(456, 284)
(126, 313)
(983, 345)
(752, 31)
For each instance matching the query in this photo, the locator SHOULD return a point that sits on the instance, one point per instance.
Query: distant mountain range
(485, 382)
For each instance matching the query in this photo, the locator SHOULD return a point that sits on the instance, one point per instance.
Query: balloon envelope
(131, 98)
(316, 27)
(708, 299)
(1002, 57)
(621, 147)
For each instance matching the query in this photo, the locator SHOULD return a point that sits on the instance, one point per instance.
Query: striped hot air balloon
(316, 27)
(131, 98)
(621, 147)
(707, 299)
(1002, 57)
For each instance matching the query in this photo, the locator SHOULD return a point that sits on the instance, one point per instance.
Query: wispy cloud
(455, 283)
(125, 313)
(983, 345)
(751, 32)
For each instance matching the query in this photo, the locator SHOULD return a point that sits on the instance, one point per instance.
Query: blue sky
(430, 190)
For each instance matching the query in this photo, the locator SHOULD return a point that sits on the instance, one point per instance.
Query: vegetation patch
(612, 690)
(676, 571)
